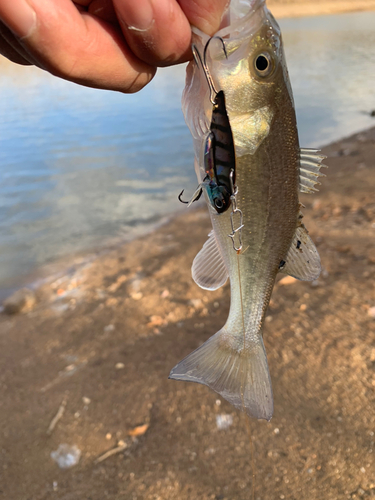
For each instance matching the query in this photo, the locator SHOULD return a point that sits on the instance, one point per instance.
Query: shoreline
(68, 269)
(318, 8)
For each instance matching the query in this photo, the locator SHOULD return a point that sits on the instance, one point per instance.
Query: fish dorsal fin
(302, 260)
(310, 165)
(209, 270)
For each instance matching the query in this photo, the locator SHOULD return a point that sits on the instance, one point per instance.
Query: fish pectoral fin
(309, 172)
(241, 377)
(302, 260)
(250, 129)
(209, 270)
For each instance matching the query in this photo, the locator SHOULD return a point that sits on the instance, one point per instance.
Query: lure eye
(218, 203)
(263, 64)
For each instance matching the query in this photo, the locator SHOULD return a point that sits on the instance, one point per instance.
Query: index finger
(159, 31)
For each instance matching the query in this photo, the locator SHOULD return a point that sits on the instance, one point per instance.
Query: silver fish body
(270, 170)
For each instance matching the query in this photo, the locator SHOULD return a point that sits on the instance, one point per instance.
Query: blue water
(83, 168)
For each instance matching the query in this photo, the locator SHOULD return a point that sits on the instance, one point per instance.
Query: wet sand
(299, 8)
(104, 338)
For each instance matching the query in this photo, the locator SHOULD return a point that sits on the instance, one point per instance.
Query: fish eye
(263, 64)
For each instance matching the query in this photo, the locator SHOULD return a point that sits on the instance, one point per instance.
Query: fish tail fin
(240, 376)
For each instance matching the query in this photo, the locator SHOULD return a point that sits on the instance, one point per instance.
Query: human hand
(107, 44)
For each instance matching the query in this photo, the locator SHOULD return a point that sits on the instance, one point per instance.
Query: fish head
(246, 60)
(252, 73)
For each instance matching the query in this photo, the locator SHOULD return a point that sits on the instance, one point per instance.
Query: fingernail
(138, 15)
(18, 16)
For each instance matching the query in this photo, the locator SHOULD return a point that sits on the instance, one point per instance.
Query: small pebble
(164, 294)
(108, 436)
(276, 431)
(86, 401)
(109, 328)
(224, 421)
(371, 312)
(196, 303)
(136, 285)
(66, 456)
(21, 301)
(363, 470)
(119, 366)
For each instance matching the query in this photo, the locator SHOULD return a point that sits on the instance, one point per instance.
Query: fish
(261, 233)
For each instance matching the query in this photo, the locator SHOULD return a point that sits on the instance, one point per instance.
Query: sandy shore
(299, 8)
(103, 339)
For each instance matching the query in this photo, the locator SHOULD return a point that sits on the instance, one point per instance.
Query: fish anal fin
(309, 173)
(209, 270)
(302, 260)
(241, 377)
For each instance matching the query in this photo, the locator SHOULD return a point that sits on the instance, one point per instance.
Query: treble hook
(203, 62)
(197, 194)
(179, 197)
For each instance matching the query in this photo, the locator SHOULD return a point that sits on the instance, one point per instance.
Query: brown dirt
(320, 340)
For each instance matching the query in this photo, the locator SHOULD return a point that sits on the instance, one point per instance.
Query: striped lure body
(219, 157)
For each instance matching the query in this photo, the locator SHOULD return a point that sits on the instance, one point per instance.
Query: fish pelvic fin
(239, 376)
(209, 270)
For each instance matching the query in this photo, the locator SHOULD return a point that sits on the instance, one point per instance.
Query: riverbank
(301, 8)
(96, 350)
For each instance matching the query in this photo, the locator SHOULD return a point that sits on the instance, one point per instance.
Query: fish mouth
(239, 10)
(242, 19)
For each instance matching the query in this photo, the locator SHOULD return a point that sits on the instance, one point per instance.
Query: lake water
(81, 169)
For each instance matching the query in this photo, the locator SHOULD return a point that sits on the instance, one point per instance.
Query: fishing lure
(219, 155)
